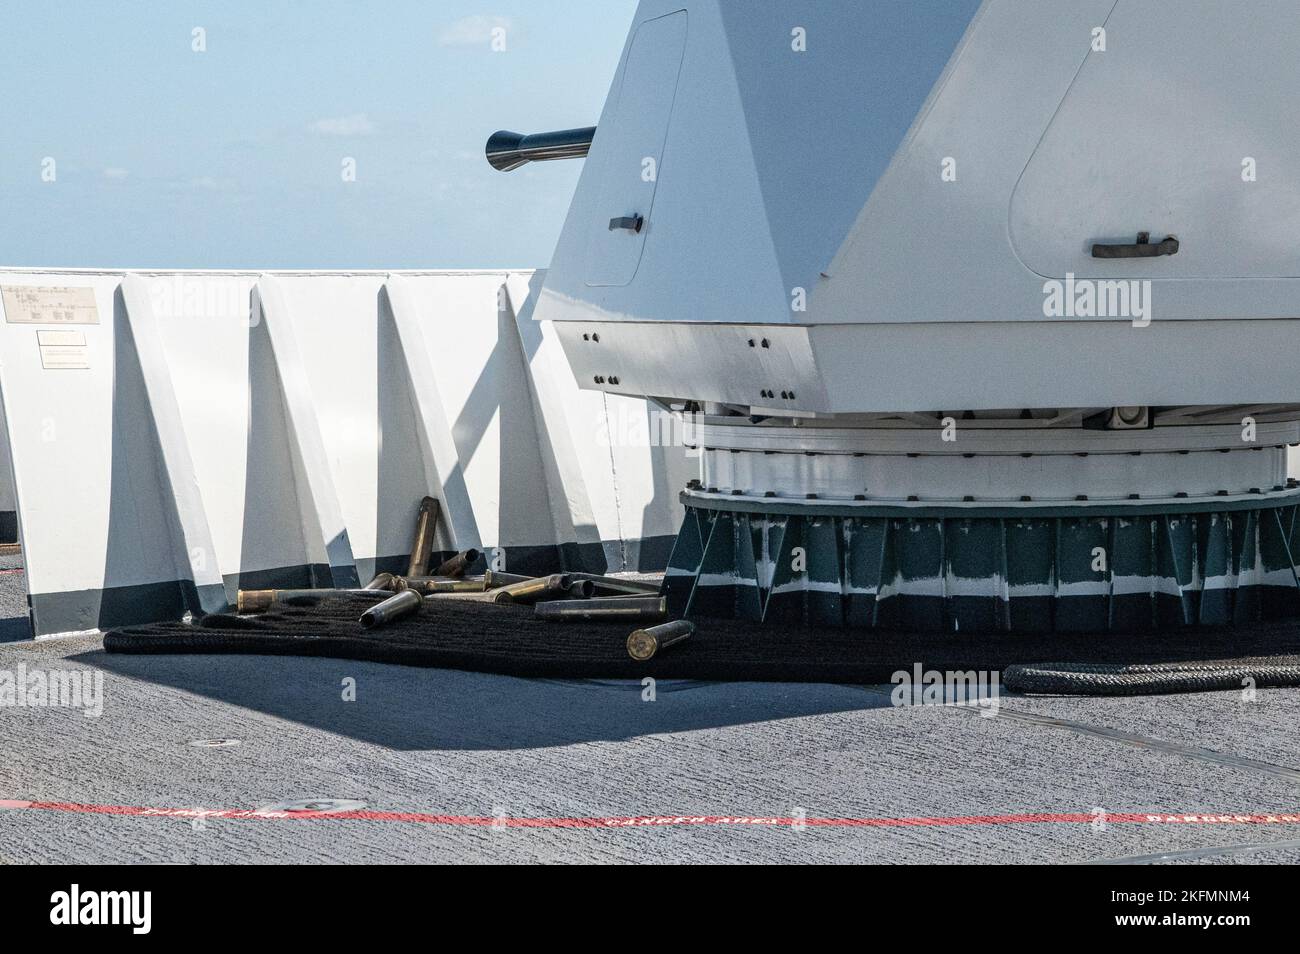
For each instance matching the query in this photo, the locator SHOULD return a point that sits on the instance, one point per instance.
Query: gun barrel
(507, 150)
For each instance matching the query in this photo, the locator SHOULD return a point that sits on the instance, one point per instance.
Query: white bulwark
(216, 430)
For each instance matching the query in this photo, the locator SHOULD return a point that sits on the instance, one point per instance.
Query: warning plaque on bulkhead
(33, 305)
(63, 350)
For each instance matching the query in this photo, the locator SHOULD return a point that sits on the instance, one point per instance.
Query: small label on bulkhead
(63, 350)
(35, 305)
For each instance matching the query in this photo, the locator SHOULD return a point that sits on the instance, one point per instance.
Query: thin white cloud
(358, 124)
(472, 31)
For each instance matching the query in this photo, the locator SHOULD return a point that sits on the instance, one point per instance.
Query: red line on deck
(652, 821)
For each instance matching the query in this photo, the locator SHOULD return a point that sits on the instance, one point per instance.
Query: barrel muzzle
(507, 150)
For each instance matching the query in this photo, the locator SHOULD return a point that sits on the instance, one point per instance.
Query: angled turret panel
(715, 133)
(837, 184)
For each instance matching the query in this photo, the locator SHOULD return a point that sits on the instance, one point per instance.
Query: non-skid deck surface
(462, 744)
(479, 636)
(436, 742)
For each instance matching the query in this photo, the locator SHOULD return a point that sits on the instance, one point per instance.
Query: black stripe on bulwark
(74, 610)
(300, 576)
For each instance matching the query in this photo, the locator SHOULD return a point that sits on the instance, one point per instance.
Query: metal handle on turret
(630, 223)
(1143, 248)
(507, 150)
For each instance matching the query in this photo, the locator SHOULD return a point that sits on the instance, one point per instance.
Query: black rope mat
(479, 636)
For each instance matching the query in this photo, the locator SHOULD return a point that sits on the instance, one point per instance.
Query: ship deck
(464, 767)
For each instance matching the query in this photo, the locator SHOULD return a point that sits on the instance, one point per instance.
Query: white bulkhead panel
(882, 162)
(1183, 126)
(636, 126)
(779, 122)
(912, 186)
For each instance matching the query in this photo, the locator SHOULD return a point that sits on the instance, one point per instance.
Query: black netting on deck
(487, 637)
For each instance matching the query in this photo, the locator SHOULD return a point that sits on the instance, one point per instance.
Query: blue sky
(168, 157)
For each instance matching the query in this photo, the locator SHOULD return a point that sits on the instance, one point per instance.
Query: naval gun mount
(1087, 519)
(862, 289)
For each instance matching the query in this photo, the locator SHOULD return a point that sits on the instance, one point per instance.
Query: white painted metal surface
(280, 429)
(647, 89)
(906, 263)
(982, 465)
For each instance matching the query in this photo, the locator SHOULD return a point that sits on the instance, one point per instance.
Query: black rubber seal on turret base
(791, 506)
